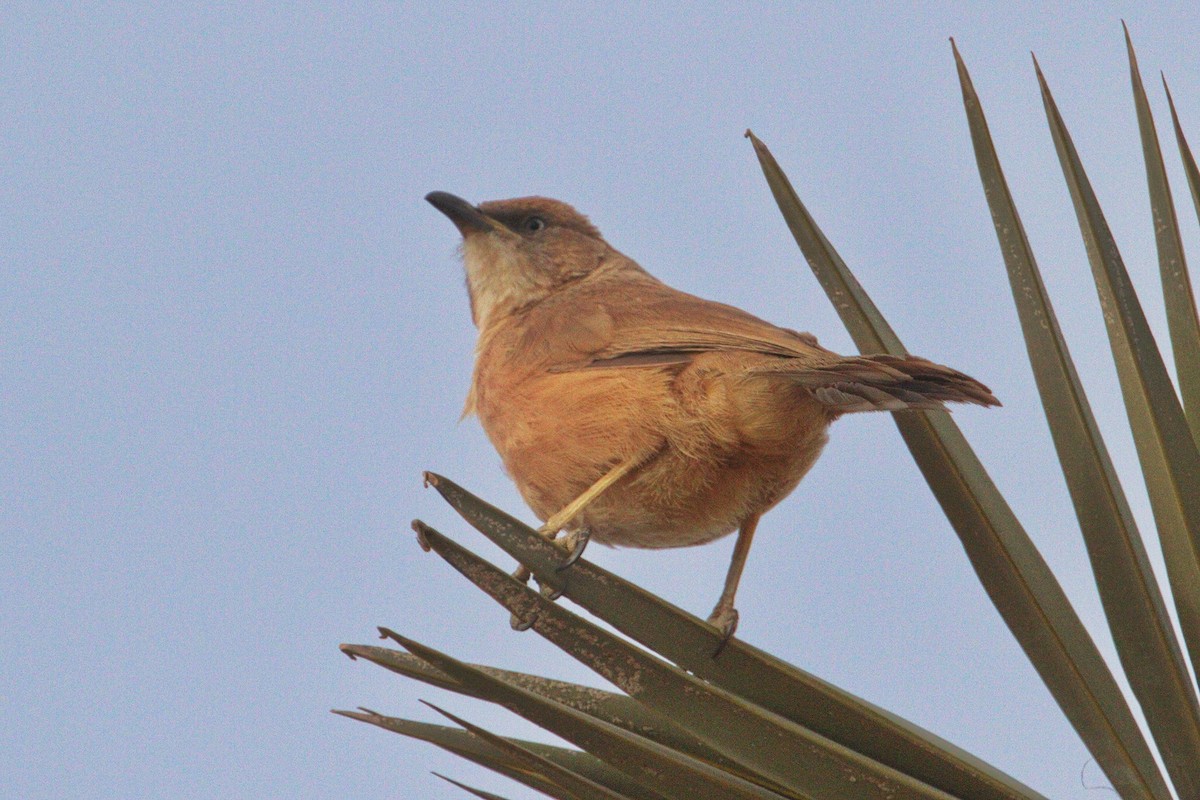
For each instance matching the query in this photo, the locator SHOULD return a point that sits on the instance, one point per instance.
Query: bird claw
(549, 592)
(578, 542)
(523, 574)
(520, 624)
(725, 620)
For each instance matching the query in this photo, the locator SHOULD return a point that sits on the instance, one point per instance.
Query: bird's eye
(533, 224)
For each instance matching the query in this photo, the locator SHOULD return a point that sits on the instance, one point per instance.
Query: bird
(637, 415)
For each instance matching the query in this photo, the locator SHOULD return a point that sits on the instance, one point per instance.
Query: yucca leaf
(769, 748)
(1132, 599)
(1188, 368)
(1185, 152)
(464, 745)
(571, 782)
(480, 793)
(1013, 573)
(673, 774)
(1168, 453)
(615, 709)
(740, 668)
(1182, 321)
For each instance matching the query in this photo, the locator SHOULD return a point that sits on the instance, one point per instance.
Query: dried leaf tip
(421, 528)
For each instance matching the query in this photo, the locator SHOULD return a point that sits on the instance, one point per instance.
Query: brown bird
(637, 414)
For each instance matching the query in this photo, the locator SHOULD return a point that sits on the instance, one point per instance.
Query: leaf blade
(676, 775)
(463, 745)
(1185, 337)
(1168, 454)
(1010, 568)
(615, 709)
(480, 793)
(741, 668)
(766, 747)
(573, 783)
(1130, 594)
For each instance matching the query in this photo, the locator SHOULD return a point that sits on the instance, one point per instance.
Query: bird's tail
(885, 383)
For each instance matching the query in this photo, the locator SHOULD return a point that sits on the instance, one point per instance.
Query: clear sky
(232, 335)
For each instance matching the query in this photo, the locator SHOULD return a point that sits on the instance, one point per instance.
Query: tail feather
(885, 383)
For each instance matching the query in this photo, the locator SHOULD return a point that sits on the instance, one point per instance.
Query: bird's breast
(715, 446)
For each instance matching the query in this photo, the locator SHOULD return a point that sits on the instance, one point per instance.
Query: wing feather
(650, 324)
(635, 321)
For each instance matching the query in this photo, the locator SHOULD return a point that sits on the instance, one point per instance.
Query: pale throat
(497, 280)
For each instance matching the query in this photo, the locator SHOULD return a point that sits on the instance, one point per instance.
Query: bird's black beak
(465, 216)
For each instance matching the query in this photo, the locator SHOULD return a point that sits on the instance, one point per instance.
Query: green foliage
(744, 724)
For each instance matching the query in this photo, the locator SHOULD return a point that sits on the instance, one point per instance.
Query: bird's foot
(576, 542)
(521, 574)
(725, 619)
(572, 542)
(551, 593)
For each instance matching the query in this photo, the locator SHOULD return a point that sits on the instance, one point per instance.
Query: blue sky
(232, 335)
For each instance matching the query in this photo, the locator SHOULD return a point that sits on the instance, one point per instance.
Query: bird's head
(517, 252)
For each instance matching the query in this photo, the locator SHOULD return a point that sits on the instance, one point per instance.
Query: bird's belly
(680, 501)
(707, 464)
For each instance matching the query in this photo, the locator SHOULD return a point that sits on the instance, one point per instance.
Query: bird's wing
(645, 323)
(655, 325)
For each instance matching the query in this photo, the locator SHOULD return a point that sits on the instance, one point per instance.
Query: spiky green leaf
(1013, 573)
(1185, 333)
(1183, 324)
(673, 774)
(574, 784)
(480, 793)
(464, 745)
(740, 668)
(615, 709)
(1168, 453)
(1132, 599)
(770, 750)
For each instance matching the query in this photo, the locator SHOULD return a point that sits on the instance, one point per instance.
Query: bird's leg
(576, 540)
(563, 518)
(724, 616)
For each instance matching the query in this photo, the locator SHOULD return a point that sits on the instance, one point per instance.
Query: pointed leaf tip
(466, 788)
(759, 147)
(388, 633)
(441, 711)
(1129, 45)
(459, 721)
(369, 717)
(416, 648)
(422, 534)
